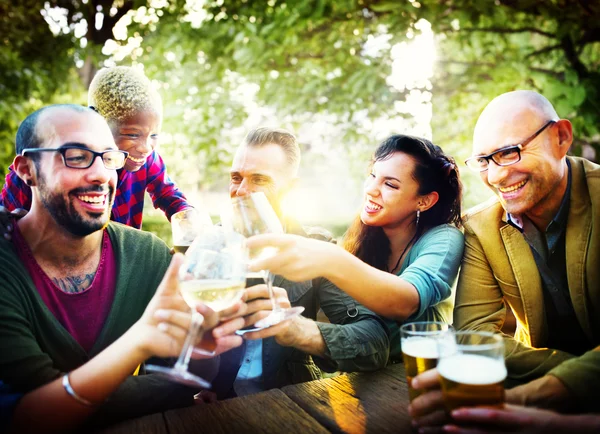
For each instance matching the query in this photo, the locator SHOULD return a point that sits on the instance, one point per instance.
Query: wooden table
(355, 403)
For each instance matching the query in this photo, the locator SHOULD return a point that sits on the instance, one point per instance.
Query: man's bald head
(518, 110)
(32, 131)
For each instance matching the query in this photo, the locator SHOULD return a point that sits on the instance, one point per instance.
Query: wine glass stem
(188, 346)
(269, 277)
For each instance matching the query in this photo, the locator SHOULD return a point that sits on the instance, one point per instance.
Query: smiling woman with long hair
(402, 253)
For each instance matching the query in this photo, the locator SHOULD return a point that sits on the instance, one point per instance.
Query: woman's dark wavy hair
(434, 171)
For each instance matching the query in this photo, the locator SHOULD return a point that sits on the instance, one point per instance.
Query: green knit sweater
(35, 348)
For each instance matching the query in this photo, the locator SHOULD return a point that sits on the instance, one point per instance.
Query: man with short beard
(72, 283)
(296, 350)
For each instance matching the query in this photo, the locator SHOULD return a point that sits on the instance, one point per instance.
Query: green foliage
(159, 226)
(304, 58)
(32, 62)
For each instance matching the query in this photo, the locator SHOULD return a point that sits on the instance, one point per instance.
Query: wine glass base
(275, 317)
(242, 332)
(183, 377)
(202, 352)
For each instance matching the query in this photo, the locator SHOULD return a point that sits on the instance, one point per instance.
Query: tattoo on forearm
(74, 284)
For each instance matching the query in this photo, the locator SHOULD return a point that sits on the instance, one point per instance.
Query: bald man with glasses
(535, 249)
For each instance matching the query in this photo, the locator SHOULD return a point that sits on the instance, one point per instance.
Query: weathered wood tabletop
(353, 403)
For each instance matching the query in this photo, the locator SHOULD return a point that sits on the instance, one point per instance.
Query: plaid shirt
(129, 197)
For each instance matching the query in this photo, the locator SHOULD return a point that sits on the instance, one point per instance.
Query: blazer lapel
(579, 227)
(528, 280)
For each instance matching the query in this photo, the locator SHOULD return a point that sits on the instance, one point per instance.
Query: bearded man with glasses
(535, 249)
(78, 293)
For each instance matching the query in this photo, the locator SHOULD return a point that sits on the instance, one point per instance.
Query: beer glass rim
(497, 340)
(406, 328)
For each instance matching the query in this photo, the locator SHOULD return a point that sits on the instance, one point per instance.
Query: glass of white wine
(214, 273)
(253, 215)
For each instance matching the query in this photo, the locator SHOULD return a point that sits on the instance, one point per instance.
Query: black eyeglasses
(82, 158)
(503, 156)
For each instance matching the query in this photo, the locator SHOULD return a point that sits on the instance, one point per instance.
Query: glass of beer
(185, 226)
(472, 369)
(214, 273)
(420, 349)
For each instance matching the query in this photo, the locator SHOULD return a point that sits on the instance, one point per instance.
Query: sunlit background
(341, 75)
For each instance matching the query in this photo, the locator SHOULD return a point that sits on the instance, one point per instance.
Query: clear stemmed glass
(213, 272)
(253, 215)
(185, 225)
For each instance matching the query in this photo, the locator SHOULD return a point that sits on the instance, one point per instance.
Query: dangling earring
(418, 215)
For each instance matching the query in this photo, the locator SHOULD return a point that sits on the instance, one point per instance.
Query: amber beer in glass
(420, 349)
(472, 369)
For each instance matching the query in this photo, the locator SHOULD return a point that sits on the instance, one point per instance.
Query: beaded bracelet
(69, 389)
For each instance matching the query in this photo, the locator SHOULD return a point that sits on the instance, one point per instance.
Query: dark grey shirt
(548, 249)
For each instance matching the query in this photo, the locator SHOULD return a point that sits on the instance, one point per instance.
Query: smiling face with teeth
(78, 200)
(391, 193)
(138, 135)
(535, 185)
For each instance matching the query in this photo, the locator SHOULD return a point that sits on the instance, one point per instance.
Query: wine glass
(213, 272)
(185, 225)
(252, 215)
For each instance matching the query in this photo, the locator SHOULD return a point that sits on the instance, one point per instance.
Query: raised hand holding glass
(214, 273)
(253, 215)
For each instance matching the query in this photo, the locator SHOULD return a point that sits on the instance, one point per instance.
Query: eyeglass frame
(518, 147)
(64, 149)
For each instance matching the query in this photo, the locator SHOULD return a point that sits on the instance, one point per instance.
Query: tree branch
(544, 50)
(590, 35)
(504, 30)
(571, 54)
(556, 74)
(465, 63)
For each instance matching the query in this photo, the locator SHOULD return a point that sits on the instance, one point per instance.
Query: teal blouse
(432, 267)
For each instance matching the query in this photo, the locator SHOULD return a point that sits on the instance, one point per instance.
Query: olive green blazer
(498, 269)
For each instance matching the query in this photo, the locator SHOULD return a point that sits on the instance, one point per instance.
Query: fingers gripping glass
(82, 158)
(503, 156)
(214, 273)
(253, 215)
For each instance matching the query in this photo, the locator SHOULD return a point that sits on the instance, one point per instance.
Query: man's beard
(64, 213)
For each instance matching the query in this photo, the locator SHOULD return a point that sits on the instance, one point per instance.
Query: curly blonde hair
(120, 92)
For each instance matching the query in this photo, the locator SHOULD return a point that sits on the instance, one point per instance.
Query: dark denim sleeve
(8, 402)
(356, 338)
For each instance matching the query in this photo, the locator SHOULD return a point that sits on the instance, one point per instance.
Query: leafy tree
(309, 58)
(31, 61)
(38, 64)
